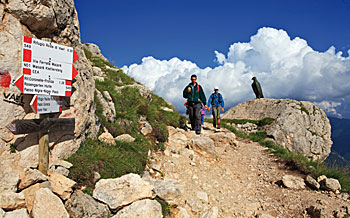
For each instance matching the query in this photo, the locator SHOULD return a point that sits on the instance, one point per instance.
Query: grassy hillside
(112, 161)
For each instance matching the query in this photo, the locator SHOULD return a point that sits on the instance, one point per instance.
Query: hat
(216, 88)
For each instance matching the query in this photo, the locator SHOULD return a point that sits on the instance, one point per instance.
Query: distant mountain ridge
(341, 142)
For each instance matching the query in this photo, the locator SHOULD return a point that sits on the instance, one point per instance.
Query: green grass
(315, 168)
(115, 161)
(88, 54)
(303, 109)
(166, 208)
(110, 161)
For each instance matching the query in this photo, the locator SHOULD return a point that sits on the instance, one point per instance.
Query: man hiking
(217, 103)
(195, 96)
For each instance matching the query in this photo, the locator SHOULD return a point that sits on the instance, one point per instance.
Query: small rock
(167, 109)
(167, 191)
(320, 178)
(21, 213)
(293, 182)
(181, 213)
(107, 138)
(2, 213)
(125, 138)
(144, 208)
(311, 182)
(330, 184)
(212, 213)
(61, 185)
(31, 177)
(11, 200)
(146, 128)
(97, 176)
(203, 196)
(203, 145)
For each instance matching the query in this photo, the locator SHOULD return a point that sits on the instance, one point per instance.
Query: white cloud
(285, 67)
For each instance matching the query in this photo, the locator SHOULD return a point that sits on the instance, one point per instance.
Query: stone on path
(167, 191)
(293, 182)
(330, 184)
(212, 213)
(122, 191)
(144, 208)
(203, 145)
(311, 182)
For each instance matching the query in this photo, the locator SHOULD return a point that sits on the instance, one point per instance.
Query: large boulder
(54, 21)
(61, 185)
(122, 191)
(81, 205)
(299, 126)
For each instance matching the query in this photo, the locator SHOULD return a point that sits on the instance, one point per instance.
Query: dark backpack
(219, 98)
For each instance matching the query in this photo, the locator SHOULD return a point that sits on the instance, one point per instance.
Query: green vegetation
(303, 109)
(166, 208)
(300, 162)
(116, 160)
(12, 148)
(88, 54)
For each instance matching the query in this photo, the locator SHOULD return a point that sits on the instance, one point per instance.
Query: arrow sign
(43, 104)
(45, 59)
(32, 85)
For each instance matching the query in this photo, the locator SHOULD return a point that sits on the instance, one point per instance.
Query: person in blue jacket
(217, 103)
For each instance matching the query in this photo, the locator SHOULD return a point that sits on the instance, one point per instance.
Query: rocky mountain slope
(298, 126)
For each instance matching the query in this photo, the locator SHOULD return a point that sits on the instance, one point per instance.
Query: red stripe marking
(20, 83)
(68, 93)
(27, 71)
(60, 98)
(68, 82)
(75, 56)
(74, 72)
(60, 109)
(27, 55)
(35, 104)
(27, 39)
(5, 78)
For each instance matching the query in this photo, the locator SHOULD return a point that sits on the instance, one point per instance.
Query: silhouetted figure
(257, 88)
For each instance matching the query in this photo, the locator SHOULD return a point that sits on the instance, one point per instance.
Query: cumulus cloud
(285, 67)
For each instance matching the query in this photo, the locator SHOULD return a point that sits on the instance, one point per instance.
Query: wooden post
(43, 149)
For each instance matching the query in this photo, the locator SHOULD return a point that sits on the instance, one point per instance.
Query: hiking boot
(198, 132)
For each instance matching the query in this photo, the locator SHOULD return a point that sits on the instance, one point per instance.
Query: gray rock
(122, 191)
(143, 90)
(2, 213)
(107, 138)
(146, 128)
(144, 208)
(203, 196)
(9, 175)
(125, 138)
(167, 191)
(61, 185)
(107, 104)
(182, 213)
(11, 200)
(299, 126)
(203, 145)
(61, 167)
(31, 177)
(47, 204)
(293, 182)
(21, 213)
(81, 205)
(330, 184)
(311, 182)
(94, 49)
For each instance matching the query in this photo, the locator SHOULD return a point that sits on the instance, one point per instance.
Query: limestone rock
(30, 157)
(311, 182)
(47, 204)
(81, 205)
(125, 138)
(212, 213)
(99, 78)
(221, 138)
(61, 166)
(146, 128)
(320, 178)
(330, 184)
(9, 175)
(21, 213)
(11, 200)
(94, 49)
(31, 177)
(144, 208)
(122, 191)
(107, 138)
(98, 72)
(167, 191)
(2, 213)
(203, 196)
(167, 109)
(143, 90)
(29, 195)
(203, 145)
(61, 185)
(107, 104)
(299, 126)
(293, 182)
(181, 213)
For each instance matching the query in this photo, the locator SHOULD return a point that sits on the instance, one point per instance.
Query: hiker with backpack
(195, 98)
(217, 102)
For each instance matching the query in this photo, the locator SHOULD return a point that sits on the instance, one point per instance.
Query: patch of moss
(303, 109)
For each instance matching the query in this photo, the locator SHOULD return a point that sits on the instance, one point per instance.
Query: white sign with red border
(43, 104)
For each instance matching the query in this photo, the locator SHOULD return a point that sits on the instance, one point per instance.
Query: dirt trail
(241, 180)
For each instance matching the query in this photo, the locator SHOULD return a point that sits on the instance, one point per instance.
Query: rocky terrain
(299, 126)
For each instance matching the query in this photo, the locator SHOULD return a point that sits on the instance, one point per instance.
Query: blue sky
(126, 31)
(291, 46)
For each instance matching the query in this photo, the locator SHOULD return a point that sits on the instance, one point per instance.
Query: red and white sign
(37, 86)
(43, 104)
(48, 60)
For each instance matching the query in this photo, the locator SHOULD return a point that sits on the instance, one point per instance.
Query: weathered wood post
(43, 149)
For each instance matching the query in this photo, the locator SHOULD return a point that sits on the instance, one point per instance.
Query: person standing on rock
(195, 96)
(217, 102)
(257, 88)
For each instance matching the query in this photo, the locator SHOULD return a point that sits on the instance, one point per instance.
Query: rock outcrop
(54, 21)
(299, 126)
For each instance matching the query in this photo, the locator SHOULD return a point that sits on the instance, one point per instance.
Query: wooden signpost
(48, 72)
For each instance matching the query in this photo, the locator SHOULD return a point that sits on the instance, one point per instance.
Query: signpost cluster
(48, 72)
